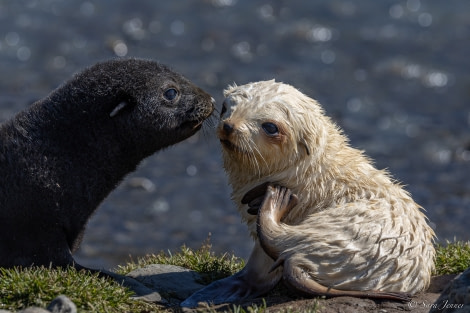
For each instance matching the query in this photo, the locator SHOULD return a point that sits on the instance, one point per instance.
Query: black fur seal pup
(63, 155)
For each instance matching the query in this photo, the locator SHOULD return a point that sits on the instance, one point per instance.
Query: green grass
(202, 260)
(452, 258)
(38, 286)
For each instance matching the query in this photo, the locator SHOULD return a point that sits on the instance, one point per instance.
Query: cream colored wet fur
(354, 227)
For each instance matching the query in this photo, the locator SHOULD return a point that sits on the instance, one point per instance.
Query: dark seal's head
(145, 103)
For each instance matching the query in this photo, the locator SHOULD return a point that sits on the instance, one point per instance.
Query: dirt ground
(420, 303)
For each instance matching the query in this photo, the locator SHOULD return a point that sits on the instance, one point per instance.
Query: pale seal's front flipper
(252, 281)
(277, 203)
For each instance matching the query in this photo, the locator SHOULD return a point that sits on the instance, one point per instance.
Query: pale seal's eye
(170, 94)
(270, 128)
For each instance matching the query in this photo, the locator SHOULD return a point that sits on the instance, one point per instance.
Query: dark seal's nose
(224, 109)
(228, 128)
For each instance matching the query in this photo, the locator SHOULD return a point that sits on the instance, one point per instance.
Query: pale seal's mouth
(228, 145)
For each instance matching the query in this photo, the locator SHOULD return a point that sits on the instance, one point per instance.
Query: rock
(285, 301)
(142, 292)
(174, 283)
(62, 304)
(456, 297)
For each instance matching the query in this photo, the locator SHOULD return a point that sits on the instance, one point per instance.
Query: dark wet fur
(64, 154)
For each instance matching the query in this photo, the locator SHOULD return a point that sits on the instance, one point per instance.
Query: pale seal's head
(268, 127)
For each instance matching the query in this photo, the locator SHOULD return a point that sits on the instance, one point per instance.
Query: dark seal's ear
(118, 108)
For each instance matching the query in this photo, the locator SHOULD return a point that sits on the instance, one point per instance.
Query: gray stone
(172, 282)
(142, 292)
(62, 304)
(456, 297)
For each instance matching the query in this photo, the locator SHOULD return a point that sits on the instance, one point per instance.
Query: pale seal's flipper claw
(278, 202)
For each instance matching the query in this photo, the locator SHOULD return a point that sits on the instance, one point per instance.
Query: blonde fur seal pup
(338, 227)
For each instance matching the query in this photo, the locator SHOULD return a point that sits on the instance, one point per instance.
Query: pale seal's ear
(118, 108)
(304, 143)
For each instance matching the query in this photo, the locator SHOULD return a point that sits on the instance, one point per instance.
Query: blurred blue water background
(393, 74)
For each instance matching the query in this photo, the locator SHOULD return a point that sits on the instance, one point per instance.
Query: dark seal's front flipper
(141, 291)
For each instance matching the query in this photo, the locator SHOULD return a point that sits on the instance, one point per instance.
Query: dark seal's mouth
(196, 121)
(195, 125)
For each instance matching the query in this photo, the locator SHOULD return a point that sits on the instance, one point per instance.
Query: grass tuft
(38, 286)
(452, 258)
(250, 309)
(202, 260)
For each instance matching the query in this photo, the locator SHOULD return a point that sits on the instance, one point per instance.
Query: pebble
(61, 304)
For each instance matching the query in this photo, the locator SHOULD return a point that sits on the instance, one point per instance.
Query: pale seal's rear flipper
(300, 280)
(277, 203)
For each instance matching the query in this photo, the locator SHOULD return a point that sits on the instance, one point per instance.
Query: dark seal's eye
(270, 129)
(170, 94)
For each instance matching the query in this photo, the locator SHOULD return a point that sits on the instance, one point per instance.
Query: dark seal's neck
(72, 129)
